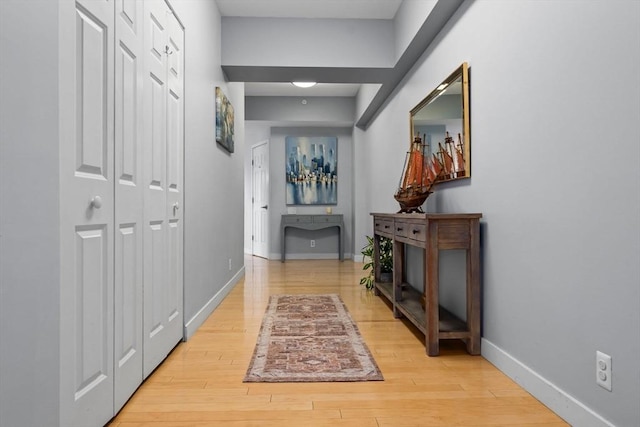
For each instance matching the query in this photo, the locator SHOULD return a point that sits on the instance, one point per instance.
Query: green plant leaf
(386, 259)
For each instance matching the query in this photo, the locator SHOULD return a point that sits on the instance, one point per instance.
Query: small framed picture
(224, 120)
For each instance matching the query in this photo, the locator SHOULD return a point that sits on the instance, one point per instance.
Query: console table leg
(396, 313)
(473, 288)
(432, 315)
(398, 263)
(473, 345)
(340, 245)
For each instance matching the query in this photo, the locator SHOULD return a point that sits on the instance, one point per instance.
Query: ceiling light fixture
(304, 84)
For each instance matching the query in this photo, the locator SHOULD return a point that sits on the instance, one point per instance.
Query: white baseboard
(198, 319)
(566, 406)
(347, 256)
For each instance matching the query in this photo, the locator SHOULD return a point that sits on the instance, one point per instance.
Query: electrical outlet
(603, 370)
(313, 243)
(229, 264)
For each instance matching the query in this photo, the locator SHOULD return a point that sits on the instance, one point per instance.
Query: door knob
(265, 207)
(96, 202)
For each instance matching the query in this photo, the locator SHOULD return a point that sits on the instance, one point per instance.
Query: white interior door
(86, 212)
(162, 320)
(260, 198)
(129, 198)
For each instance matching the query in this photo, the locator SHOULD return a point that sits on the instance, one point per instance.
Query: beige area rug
(310, 338)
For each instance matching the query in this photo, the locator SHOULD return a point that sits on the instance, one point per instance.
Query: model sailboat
(421, 171)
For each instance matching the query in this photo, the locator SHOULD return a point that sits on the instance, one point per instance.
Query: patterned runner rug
(310, 338)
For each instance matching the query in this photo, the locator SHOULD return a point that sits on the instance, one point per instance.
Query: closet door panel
(174, 285)
(127, 343)
(92, 309)
(174, 145)
(157, 281)
(157, 136)
(175, 173)
(163, 151)
(86, 212)
(129, 199)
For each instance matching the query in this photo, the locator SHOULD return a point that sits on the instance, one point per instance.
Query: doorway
(260, 199)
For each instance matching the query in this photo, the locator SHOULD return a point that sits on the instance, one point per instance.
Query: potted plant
(386, 261)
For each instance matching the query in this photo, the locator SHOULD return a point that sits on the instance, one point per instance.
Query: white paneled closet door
(86, 212)
(121, 151)
(129, 226)
(163, 147)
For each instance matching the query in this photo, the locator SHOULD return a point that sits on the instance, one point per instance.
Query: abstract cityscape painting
(311, 170)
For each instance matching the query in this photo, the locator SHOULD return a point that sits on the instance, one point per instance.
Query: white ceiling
(351, 9)
(338, 9)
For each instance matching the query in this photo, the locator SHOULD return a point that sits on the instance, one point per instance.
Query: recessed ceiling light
(304, 84)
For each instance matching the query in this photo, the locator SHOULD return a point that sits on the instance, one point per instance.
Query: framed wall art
(224, 121)
(311, 170)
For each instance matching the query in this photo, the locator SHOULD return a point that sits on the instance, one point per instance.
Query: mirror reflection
(441, 122)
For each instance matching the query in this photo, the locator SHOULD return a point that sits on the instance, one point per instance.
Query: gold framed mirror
(441, 122)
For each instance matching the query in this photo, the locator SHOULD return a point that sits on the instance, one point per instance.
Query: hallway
(200, 383)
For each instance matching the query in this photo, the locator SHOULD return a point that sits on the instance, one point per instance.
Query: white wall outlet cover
(603, 370)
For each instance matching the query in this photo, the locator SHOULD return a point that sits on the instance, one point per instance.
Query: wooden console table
(432, 232)
(312, 222)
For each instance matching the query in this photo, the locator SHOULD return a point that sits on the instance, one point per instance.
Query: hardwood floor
(200, 383)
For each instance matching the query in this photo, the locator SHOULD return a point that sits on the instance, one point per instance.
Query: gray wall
(29, 214)
(320, 110)
(308, 42)
(214, 179)
(408, 20)
(298, 240)
(556, 173)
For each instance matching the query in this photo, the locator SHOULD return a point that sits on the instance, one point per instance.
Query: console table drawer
(411, 230)
(296, 219)
(401, 229)
(327, 218)
(417, 232)
(384, 226)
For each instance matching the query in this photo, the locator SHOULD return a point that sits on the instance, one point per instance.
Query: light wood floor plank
(200, 382)
(370, 422)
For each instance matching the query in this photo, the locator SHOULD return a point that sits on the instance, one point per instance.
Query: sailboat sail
(460, 172)
(447, 160)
